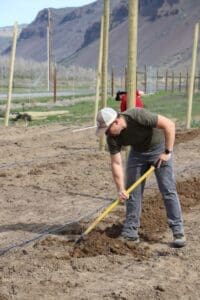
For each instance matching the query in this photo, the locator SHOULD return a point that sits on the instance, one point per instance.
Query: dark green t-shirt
(141, 132)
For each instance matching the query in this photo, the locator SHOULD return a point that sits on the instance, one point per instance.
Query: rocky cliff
(165, 35)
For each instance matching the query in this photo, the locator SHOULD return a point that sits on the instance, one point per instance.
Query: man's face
(114, 129)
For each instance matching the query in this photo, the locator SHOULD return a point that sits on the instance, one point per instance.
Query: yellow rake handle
(117, 201)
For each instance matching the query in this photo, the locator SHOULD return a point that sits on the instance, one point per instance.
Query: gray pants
(138, 163)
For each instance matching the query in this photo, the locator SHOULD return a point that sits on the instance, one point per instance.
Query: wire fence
(151, 80)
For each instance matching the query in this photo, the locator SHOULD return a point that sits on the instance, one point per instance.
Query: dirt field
(53, 184)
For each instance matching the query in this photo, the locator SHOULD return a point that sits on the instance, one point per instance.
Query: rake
(114, 204)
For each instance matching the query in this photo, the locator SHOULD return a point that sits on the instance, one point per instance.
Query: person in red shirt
(122, 96)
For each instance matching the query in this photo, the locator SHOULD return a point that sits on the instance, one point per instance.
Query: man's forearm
(118, 176)
(117, 171)
(169, 136)
(168, 127)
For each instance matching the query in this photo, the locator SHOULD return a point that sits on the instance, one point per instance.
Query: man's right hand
(123, 195)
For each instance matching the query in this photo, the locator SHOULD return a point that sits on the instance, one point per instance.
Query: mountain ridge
(165, 34)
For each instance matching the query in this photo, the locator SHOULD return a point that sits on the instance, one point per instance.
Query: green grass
(172, 105)
(45, 99)
(168, 104)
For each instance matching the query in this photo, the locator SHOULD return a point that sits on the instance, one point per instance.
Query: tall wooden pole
(172, 81)
(105, 52)
(186, 83)
(49, 50)
(166, 81)
(145, 79)
(125, 79)
(132, 51)
(48, 71)
(12, 62)
(99, 70)
(180, 82)
(157, 80)
(105, 63)
(112, 82)
(199, 81)
(55, 84)
(132, 55)
(193, 68)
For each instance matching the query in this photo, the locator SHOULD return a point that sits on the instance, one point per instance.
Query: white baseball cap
(105, 117)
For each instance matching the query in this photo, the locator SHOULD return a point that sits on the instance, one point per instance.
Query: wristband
(167, 151)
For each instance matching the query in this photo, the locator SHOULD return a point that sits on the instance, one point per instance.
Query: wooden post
(145, 79)
(125, 78)
(105, 52)
(136, 79)
(105, 62)
(166, 81)
(132, 55)
(195, 83)
(99, 70)
(172, 82)
(112, 82)
(193, 68)
(49, 51)
(55, 84)
(157, 80)
(122, 81)
(132, 51)
(199, 82)
(48, 71)
(186, 83)
(180, 79)
(12, 62)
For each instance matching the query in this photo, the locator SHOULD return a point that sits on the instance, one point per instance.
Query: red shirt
(138, 102)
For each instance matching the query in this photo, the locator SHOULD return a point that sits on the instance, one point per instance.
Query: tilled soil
(54, 183)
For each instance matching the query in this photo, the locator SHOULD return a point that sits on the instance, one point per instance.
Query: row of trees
(33, 75)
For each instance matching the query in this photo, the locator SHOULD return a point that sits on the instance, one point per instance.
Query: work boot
(179, 240)
(125, 238)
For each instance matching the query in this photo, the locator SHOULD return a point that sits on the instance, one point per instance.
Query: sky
(25, 11)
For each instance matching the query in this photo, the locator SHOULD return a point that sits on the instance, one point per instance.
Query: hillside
(165, 34)
(6, 34)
